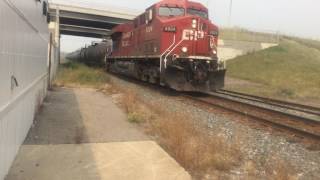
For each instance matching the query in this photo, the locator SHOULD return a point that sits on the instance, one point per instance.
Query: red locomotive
(173, 43)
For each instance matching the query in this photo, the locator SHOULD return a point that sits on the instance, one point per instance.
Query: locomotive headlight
(184, 49)
(214, 52)
(194, 23)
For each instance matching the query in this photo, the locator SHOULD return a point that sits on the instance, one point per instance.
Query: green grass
(76, 74)
(290, 70)
(134, 117)
(307, 42)
(246, 35)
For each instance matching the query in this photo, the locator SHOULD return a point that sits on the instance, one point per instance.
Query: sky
(290, 17)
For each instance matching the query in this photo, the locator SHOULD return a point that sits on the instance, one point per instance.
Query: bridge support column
(54, 59)
(57, 34)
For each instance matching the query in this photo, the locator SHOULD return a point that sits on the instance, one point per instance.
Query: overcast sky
(292, 17)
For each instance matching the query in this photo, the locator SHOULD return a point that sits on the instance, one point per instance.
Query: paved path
(81, 134)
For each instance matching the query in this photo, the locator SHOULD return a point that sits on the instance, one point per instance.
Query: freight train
(173, 43)
(93, 55)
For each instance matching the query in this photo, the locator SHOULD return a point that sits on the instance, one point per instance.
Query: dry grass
(273, 167)
(278, 169)
(193, 148)
(187, 143)
(240, 34)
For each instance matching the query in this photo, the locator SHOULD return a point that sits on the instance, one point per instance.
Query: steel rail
(274, 102)
(270, 109)
(282, 125)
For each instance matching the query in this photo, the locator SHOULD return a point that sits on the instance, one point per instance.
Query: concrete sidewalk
(81, 134)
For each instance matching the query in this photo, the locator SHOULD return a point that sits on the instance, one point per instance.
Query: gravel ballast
(259, 146)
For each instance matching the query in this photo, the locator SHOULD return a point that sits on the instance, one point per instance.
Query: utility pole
(230, 13)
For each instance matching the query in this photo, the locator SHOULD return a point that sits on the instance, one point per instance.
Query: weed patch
(135, 118)
(75, 74)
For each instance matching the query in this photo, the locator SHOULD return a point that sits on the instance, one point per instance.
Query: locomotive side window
(142, 19)
(136, 22)
(149, 15)
(197, 13)
(116, 38)
(171, 11)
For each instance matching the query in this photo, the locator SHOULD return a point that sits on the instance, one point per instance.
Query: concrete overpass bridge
(81, 18)
(73, 17)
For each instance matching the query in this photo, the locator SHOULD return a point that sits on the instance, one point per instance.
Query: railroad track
(274, 102)
(302, 120)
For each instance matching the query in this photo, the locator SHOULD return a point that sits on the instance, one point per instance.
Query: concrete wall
(24, 48)
(229, 49)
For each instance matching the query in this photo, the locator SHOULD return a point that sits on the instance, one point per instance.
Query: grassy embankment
(240, 34)
(288, 71)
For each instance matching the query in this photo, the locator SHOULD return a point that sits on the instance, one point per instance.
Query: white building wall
(23, 55)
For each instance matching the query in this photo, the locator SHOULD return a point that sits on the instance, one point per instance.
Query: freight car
(93, 55)
(172, 43)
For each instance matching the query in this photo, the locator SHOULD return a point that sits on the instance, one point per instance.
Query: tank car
(74, 56)
(93, 55)
(172, 43)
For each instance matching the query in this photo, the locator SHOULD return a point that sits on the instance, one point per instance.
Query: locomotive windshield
(197, 13)
(171, 11)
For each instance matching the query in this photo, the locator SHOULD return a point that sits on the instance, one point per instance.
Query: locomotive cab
(190, 23)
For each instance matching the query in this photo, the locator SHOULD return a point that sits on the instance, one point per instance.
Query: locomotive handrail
(174, 41)
(213, 44)
(165, 59)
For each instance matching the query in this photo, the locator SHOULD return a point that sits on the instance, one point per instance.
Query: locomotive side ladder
(163, 58)
(166, 53)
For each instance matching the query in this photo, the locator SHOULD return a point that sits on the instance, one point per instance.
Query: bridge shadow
(80, 134)
(59, 121)
(52, 149)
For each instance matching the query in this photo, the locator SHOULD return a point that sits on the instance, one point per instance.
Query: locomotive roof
(182, 3)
